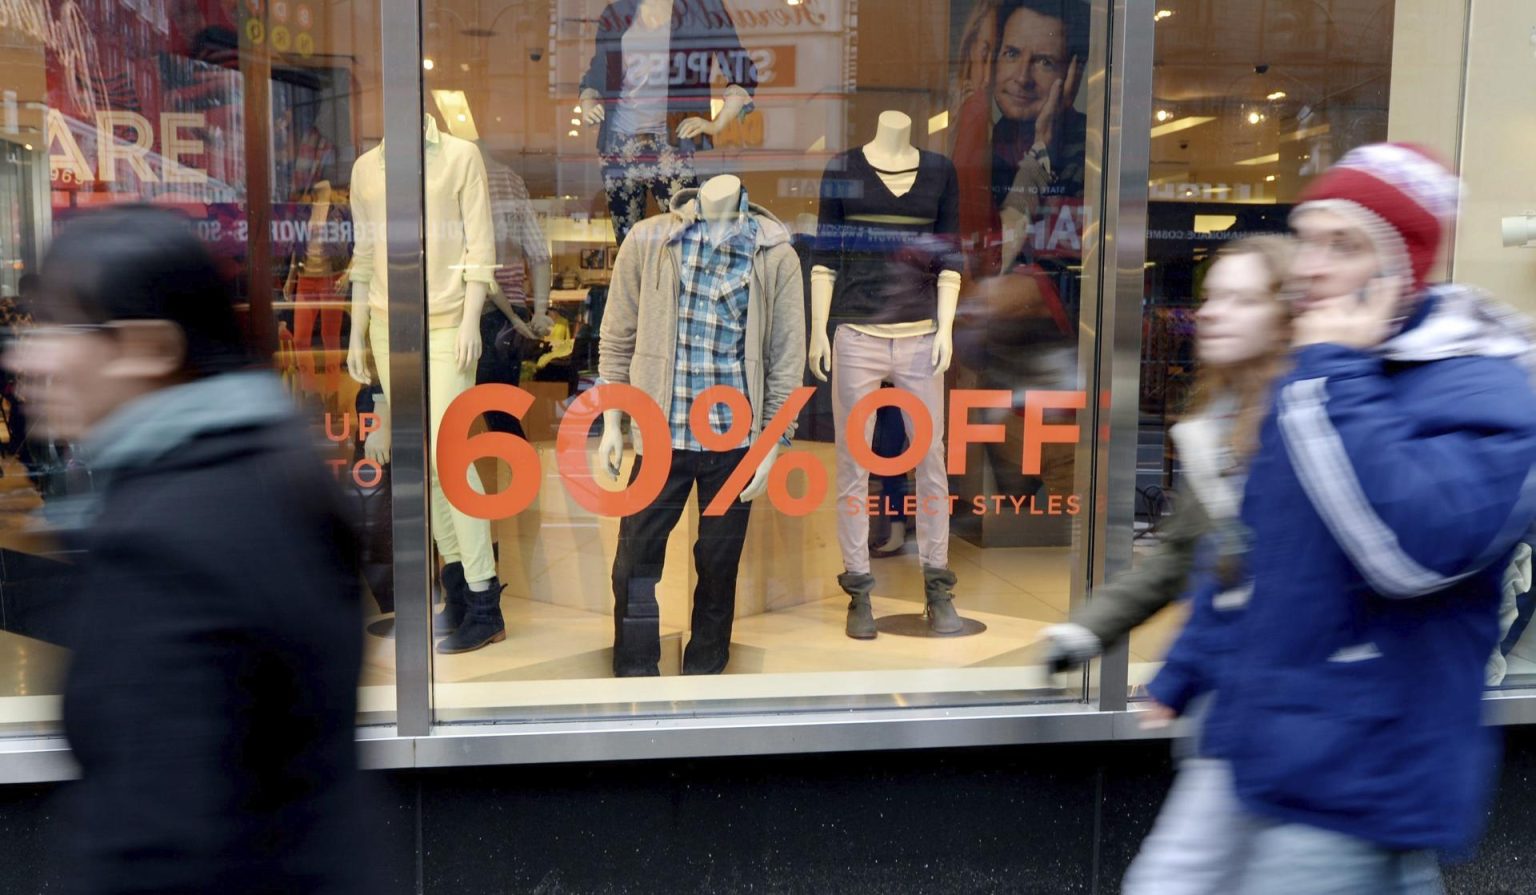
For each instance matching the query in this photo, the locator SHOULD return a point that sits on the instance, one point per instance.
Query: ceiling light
(463, 66)
(1278, 94)
(1163, 14)
(428, 64)
(1269, 178)
(29, 147)
(1270, 159)
(576, 110)
(463, 117)
(573, 120)
(1254, 117)
(572, 134)
(1304, 133)
(1180, 124)
(1163, 115)
(938, 122)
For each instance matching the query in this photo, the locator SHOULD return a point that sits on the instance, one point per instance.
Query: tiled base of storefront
(1038, 820)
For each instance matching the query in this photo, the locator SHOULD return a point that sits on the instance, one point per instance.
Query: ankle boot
(454, 589)
(482, 624)
(861, 617)
(942, 618)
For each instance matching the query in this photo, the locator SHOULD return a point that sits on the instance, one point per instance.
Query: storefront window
(824, 256)
(243, 117)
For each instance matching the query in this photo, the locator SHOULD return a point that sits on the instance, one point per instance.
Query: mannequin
(312, 276)
(707, 295)
(652, 118)
(904, 197)
(460, 254)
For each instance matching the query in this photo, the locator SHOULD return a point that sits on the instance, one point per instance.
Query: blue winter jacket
(1386, 496)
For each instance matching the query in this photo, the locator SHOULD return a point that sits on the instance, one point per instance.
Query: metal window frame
(1119, 127)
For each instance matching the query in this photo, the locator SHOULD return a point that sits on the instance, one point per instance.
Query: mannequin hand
(1057, 102)
(376, 446)
(820, 356)
(759, 483)
(610, 449)
(466, 349)
(541, 324)
(691, 128)
(592, 111)
(943, 351)
(357, 360)
(1363, 320)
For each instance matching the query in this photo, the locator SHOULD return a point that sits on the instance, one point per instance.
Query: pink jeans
(859, 364)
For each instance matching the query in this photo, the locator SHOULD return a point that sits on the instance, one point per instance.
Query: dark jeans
(716, 556)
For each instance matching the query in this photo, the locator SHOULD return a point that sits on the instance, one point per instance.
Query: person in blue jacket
(1392, 481)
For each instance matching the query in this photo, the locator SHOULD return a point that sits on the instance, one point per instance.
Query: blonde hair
(1249, 382)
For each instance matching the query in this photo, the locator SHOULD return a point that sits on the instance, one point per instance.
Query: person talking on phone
(1392, 481)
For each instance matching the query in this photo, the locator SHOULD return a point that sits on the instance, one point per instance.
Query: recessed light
(1254, 117)
(1163, 115)
(428, 64)
(573, 134)
(1163, 14)
(1269, 178)
(1278, 94)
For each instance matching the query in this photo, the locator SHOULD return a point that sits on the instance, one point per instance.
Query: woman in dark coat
(212, 695)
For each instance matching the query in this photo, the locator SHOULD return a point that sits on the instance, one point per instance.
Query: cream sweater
(460, 238)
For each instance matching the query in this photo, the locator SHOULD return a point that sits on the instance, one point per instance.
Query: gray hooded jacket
(639, 334)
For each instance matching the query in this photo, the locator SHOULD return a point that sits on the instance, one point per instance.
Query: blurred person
(1391, 483)
(216, 651)
(1242, 337)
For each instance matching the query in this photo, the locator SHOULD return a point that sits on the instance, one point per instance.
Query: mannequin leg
(444, 534)
(859, 364)
(637, 568)
(913, 372)
(304, 315)
(674, 172)
(716, 559)
(626, 174)
(330, 337)
(471, 536)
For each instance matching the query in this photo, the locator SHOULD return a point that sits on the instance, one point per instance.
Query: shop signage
(457, 449)
(69, 164)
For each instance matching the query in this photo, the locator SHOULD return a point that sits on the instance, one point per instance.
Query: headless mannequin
(719, 199)
(890, 150)
(895, 161)
(654, 14)
(467, 348)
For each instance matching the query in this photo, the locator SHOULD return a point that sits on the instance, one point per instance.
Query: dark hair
(1072, 14)
(138, 262)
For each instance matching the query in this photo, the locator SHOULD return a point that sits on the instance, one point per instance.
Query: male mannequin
(707, 294)
(460, 257)
(652, 116)
(889, 215)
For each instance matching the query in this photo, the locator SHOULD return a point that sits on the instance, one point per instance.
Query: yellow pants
(459, 538)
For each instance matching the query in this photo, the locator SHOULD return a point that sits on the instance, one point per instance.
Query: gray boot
(861, 617)
(942, 618)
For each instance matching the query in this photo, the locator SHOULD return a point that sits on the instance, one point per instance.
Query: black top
(887, 250)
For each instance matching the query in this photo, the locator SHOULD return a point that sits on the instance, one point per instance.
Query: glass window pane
(916, 217)
(244, 119)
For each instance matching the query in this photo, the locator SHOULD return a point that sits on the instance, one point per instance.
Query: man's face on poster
(1031, 57)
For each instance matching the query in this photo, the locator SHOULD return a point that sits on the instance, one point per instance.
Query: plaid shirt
(712, 321)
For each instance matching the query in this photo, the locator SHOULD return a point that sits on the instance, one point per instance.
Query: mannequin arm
(357, 346)
(734, 100)
(944, 337)
(467, 348)
(376, 446)
(542, 325)
(820, 355)
(504, 305)
(592, 111)
(610, 448)
(759, 483)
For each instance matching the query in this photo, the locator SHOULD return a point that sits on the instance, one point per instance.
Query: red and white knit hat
(1400, 194)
